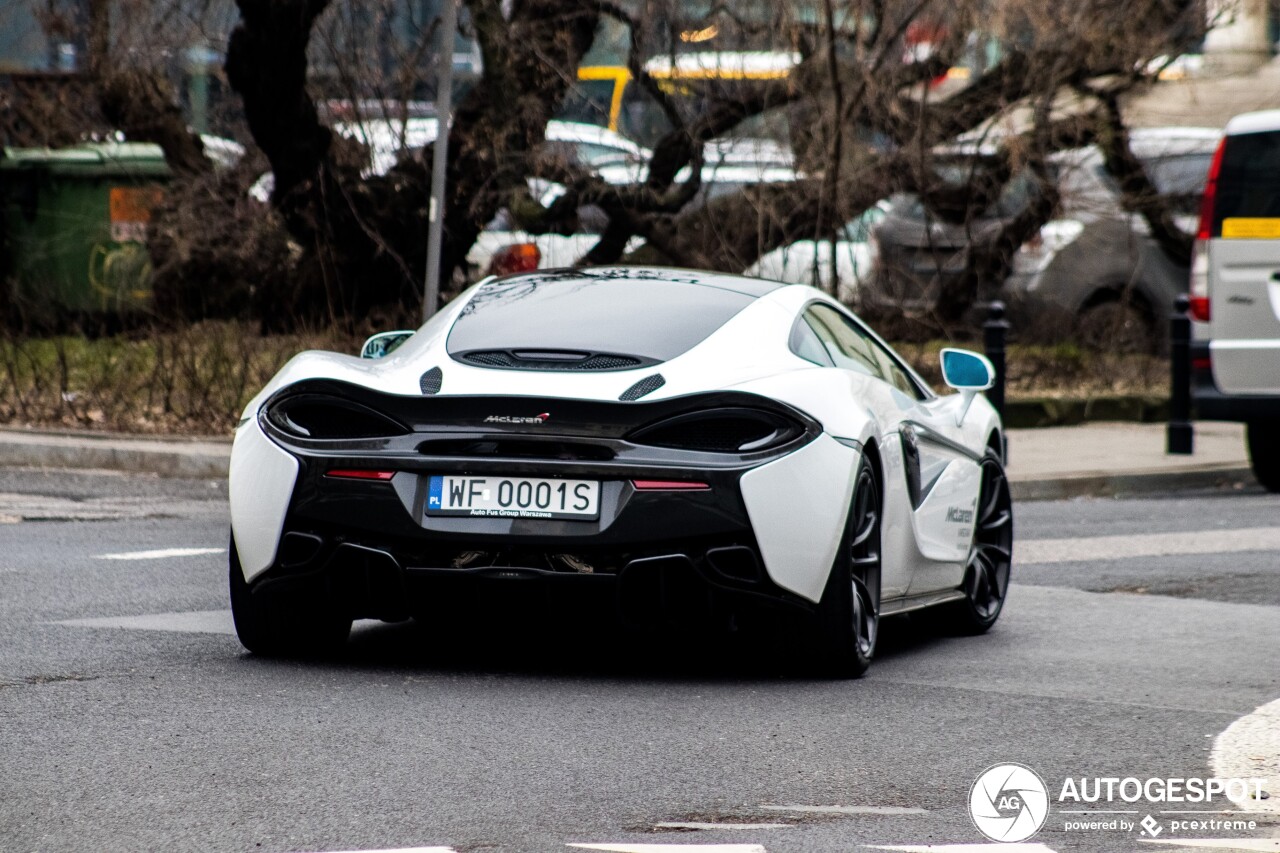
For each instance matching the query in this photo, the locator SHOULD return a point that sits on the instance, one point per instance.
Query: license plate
(512, 497)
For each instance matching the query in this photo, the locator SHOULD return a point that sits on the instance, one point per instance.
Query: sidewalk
(1044, 464)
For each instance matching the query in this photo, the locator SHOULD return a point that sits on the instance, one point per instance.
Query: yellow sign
(1251, 229)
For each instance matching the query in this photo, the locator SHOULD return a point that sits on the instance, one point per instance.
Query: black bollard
(1180, 434)
(994, 332)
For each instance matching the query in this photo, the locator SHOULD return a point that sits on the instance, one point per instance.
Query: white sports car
(684, 446)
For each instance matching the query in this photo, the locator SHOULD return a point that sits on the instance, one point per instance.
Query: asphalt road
(131, 720)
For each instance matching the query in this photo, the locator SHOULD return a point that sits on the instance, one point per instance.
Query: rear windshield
(1249, 179)
(642, 314)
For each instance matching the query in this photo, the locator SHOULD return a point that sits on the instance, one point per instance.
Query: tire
(1264, 453)
(305, 627)
(848, 617)
(1119, 326)
(986, 578)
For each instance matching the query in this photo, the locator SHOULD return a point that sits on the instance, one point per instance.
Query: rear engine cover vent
(729, 430)
(321, 416)
(431, 381)
(645, 386)
(550, 360)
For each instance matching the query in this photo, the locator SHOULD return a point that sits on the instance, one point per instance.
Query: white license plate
(512, 497)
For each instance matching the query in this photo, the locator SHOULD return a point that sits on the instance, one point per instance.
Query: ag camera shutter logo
(1009, 803)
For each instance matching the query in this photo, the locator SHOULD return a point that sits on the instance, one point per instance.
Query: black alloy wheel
(986, 578)
(849, 614)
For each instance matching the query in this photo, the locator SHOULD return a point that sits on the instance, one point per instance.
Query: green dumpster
(74, 227)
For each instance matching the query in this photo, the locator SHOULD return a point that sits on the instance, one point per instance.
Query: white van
(1235, 290)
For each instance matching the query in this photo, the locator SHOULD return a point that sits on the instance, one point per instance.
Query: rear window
(641, 315)
(1249, 179)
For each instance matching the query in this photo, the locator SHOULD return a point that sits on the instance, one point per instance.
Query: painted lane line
(965, 848)
(673, 848)
(707, 825)
(195, 622)
(161, 554)
(1264, 844)
(1250, 748)
(849, 810)
(1087, 549)
(403, 850)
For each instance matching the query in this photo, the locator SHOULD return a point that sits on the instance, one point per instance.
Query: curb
(165, 458)
(1129, 485)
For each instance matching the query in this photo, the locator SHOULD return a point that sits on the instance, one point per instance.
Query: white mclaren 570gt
(674, 446)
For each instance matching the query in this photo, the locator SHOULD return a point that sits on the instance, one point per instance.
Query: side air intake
(431, 381)
(645, 386)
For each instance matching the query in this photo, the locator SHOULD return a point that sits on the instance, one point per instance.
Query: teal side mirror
(967, 371)
(383, 343)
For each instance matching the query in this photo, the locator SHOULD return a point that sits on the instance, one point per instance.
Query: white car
(810, 261)
(585, 144)
(688, 447)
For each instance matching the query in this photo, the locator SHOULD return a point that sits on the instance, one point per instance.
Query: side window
(845, 343)
(851, 347)
(804, 343)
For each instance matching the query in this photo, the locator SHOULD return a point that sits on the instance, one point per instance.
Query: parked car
(1235, 290)
(810, 261)
(585, 144)
(562, 250)
(1093, 272)
(667, 447)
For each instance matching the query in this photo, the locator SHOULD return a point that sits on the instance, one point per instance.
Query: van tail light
(1199, 285)
(1205, 231)
(1199, 290)
(518, 257)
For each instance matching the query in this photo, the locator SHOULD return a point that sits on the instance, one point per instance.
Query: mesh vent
(644, 386)
(431, 381)
(512, 361)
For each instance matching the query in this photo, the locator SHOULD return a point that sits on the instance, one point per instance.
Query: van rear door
(1244, 264)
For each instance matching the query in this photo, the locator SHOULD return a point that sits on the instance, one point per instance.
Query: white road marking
(673, 848)
(195, 622)
(1265, 844)
(161, 554)
(1250, 749)
(851, 810)
(405, 850)
(1041, 551)
(697, 824)
(965, 848)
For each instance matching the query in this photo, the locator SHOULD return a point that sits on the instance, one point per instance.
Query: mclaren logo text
(960, 516)
(516, 419)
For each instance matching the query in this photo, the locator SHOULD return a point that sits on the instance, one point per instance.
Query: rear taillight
(1199, 290)
(1205, 231)
(1199, 284)
(518, 257)
(668, 486)
(359, 474)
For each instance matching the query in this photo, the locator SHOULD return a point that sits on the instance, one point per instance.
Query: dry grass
(193, 381)
(196, 381)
